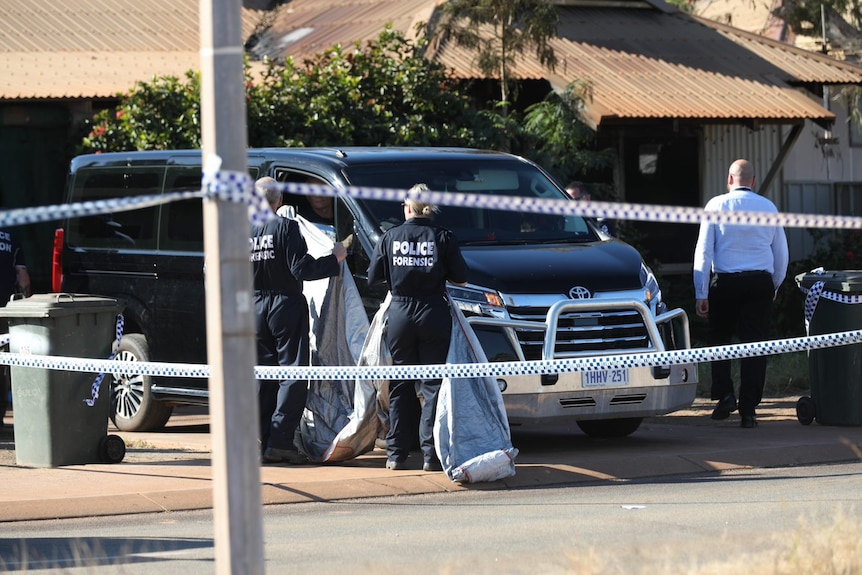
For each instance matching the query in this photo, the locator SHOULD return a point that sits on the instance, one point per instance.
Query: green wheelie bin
(834, 372)
(59, 419)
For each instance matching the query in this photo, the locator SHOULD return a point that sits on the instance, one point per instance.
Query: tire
(805, 410)
(112, 449)
(604, 428)
(133, 407)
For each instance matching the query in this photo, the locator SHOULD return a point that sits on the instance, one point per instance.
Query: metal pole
(827, 134)
(238, 519)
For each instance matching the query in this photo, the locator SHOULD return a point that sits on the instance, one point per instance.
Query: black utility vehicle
(540, 286)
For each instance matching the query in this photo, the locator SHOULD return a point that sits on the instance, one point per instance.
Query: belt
(419, 297)
(275, 292)
(743, 274)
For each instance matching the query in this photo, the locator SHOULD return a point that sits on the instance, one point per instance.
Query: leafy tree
(843, 18)
(500, 31)
(686, 6)
(159, 115)
(562, 141)
(385, 93)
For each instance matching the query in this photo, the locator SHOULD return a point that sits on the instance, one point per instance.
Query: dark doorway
(33, 167)
(663, 170)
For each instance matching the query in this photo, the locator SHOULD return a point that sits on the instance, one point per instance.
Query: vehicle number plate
(605, 378)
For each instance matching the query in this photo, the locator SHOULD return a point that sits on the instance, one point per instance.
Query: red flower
(120, 114)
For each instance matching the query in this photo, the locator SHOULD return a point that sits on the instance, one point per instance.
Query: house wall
(819, 176)
(813, 160)
(723, 144)
(823, 176)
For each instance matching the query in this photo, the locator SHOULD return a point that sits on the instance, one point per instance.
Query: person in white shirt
(737, 272)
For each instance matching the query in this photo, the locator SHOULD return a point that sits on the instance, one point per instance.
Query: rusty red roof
(97, 48)
(642, 60)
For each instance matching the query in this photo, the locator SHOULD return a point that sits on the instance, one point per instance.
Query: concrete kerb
(170, 470)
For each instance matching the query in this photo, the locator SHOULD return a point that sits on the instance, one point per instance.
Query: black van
(540, 286)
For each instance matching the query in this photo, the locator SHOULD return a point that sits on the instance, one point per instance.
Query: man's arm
(23, 280)
(375, 265)
(780, 258)
(703, 255)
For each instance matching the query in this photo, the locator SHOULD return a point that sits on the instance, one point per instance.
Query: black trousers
(740, 305)
(418, 333)
(282, 339)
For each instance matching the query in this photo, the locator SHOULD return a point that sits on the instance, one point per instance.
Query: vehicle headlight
(652, 293)
(477, 301)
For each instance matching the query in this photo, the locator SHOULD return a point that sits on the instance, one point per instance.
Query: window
(132, 229)
(182, 222)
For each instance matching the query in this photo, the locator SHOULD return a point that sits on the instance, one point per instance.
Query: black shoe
(748, 421)
(291, 456)
(432, 466)
(724, 407)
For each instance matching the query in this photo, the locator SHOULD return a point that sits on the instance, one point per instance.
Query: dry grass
(139, 444)
(786, 374)
(809, 550)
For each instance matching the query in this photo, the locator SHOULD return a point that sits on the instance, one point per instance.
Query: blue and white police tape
(4, 339)
(816, 291)
(238, 187)
(555, 206)
(500, 369)
(97, 383)
(226, 186)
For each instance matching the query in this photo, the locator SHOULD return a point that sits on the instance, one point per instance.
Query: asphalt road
(789, 520)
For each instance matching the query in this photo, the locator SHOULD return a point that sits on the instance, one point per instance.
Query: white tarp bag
(471, 430)
(340, 419)
(376, 352)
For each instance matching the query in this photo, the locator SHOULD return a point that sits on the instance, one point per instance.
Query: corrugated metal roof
(88, 74)
(303, 28)
(97, 26)
(97, 48)
(642, 63)
(650, 64)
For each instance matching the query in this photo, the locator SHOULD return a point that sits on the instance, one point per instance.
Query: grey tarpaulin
(471, 431)
(340, 419)
(376, 352)
(343, 418)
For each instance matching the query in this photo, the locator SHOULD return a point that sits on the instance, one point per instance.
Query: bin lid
(836, 281)
(60, 304)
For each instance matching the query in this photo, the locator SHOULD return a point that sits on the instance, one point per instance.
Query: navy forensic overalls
(281, 262)
(415, 259)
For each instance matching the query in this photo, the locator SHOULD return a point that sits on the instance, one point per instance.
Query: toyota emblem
(579, 292)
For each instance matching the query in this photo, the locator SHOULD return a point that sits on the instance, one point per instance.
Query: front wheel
(605, 428)
(133, 406)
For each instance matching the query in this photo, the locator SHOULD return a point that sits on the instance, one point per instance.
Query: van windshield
(474, 226)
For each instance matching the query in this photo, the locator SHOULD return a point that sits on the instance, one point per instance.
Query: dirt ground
(134, 453)
(139, 451)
